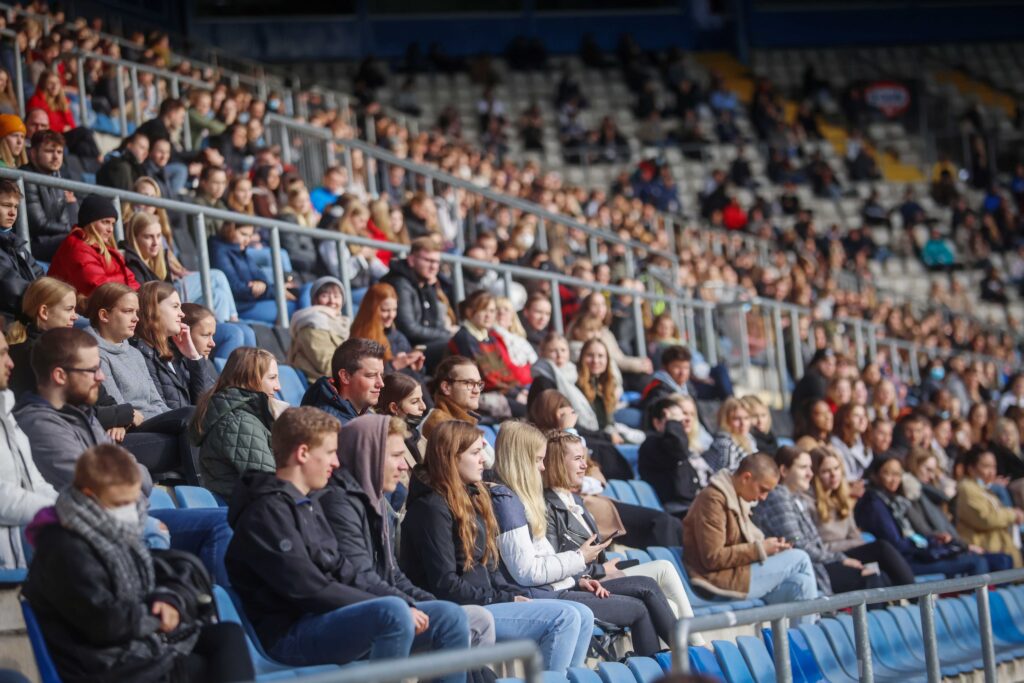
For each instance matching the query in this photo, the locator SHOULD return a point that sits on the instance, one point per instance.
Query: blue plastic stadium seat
(631, 452)
(645, 669)
(1003, 621)
(631, 417)
(266, 668)
(641, 555)
(925, 578)
(759, 662)
(966, 630)
(159, 499)
(614, 672)
(490, 436)
(613, 555)
(703, 661)
(674, 555)
(805, 668)
(824, 656)
(47, 669)
(219, 363)
(192, 497)
(664, 660)
(904, 623)
(731, 661)
(579, 674)
(645, 494)
(622, 491)
(293, 386)
(631, 397)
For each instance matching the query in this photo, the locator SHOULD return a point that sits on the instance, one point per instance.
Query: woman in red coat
(88, 257)
(49, 96)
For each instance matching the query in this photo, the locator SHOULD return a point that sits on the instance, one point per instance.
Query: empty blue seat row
(634, 492)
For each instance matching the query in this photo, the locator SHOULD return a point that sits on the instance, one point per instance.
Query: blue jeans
(449, 630)
(376, 629)
(783, 577)
(230, 336)
(262, 311)
(202, 532)
(965, 564)
(558, 627)
(190, 288)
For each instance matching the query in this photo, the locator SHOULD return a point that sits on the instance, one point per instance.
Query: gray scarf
(565, 381)
(119, 548)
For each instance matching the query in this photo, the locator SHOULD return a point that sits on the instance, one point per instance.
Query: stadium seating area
(804, 205)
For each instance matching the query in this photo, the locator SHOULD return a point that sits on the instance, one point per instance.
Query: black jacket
(50, 216)
(92, 634)
(357, 527)
(139, 268)
(421, 316)
(180, 381)
(120, 172)
(283, 559)
(1008, 463)
(811, 387)
(17, 271)
(432, 554)
(564, 531)
(664, 463)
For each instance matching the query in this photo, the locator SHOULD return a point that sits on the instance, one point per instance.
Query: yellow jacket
(981, 519)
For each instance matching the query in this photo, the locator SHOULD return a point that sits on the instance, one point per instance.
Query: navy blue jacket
(872, 515)
(324, 396)
(239, 269)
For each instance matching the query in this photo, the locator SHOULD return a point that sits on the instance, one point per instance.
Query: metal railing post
(797, 344)
(346, 281)
(780, 646)
(459, 282)
(136, 95)
(19, 79)
(556, 306)
(988, 652)
(931, 648)
(22, 221)
(780, 354)
(638, 320)
(711, 352)
(858, 342)
(199, 232)
(119, 224)
(542, 235)
(680, 647)
(863, 643)
(83, 103)
(744, 341)
(122, 106)
(279, 290)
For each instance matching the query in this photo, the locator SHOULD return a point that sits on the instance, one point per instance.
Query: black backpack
(186, 577)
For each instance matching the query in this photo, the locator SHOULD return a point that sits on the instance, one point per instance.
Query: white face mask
(126, 515)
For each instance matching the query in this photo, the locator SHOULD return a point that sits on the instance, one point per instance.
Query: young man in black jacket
(17, 267)
(665, 462)
(298, 588)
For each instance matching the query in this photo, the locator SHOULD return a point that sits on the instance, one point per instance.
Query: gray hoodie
(127, 378)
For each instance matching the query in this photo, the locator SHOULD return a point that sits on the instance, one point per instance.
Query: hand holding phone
(626, 564)
(870, 569)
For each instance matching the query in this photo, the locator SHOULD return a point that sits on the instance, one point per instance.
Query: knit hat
(322, 282)
(11, 123)
(95, 208)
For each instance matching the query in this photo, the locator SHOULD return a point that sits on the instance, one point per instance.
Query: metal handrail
(779, 616)
(437, 664)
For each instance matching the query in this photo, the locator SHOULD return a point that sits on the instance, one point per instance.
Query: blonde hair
(754, 405)
(139, 222)
(514, 451)
(829, 501)
(730, 406)
(693, 434)
(516, 327)
(46, 291)
(7, 156)
(130, 210)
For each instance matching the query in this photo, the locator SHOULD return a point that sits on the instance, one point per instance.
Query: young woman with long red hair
(376, 320)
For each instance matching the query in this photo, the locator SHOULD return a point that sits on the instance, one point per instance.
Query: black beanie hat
(95, 208)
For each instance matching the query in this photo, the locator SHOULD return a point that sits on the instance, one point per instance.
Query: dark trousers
(221, 655)
(889, 560)
(161, 444)
(646, 527)
(636, 602)
(965, 564)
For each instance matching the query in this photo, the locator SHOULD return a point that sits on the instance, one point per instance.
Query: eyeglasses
(471, 383)
(90, 371)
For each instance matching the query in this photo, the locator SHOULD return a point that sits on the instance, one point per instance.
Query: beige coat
(981, 519)
(316, 333)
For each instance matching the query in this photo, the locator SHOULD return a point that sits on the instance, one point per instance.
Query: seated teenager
(733, 441)
(536, 319)
(636, 526)
(765, 440)
(47, 304)
(727, 555)
(17, 267)
(676, 377)
(371, 451)
(51, 212)
(175, 365)
(22, 487)
(254, 296)
(402, 397)
(665, 461)
(202, 327)
(785, 514)
(232, 421)
(88, 257)
(116, 621)
(375, 320)
(885, 512)
(59, 417)
(505, 384)
(285, 564)
(554, 370)
(449, 548)
(112, 310)
(814, 424)
(508, 327)
(318, 329)
(600, 383)
(353, 387)
(981, 518)
(595, 308)
(851, 423)
(531, 561)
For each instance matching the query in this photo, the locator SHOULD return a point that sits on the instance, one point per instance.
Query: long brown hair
(367, 323)
(555, 474)
(244, 369)
(543, 410)
(606, 385)
(446, 443)
(827, 501)
(151, 295)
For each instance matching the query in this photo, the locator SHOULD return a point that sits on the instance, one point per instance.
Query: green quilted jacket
(235, 438)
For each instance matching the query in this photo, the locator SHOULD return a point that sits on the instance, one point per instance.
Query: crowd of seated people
(497, 542)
